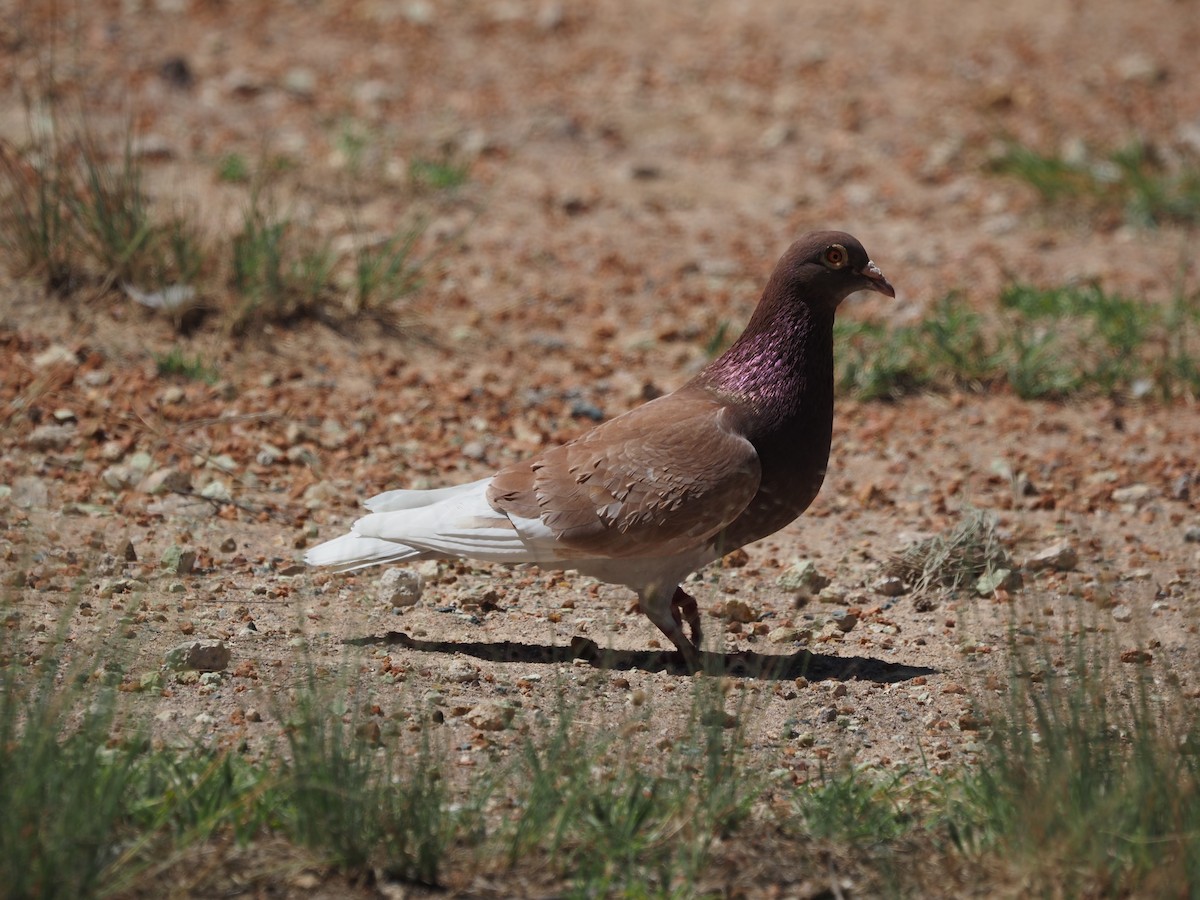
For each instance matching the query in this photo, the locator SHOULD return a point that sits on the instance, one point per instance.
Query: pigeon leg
(683, 606)
(663, 614)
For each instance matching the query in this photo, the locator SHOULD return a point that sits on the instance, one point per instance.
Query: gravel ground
(633, 173)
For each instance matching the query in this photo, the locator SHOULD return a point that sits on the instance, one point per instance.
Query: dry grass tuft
(954, 558)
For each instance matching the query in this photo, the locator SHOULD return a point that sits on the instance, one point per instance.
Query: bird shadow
(745, 663)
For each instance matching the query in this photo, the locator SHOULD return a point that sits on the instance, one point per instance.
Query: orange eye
(835, 256)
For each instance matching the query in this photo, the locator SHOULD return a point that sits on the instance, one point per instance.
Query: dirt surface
(634, 170)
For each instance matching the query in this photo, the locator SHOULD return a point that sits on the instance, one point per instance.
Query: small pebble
(890, 586)
(787, 635)
(845, 622)
(1135, 493)
(490, 716)
(736, 611)
(1060, 557)
(400, 587)
(803, 579)
(199, 655)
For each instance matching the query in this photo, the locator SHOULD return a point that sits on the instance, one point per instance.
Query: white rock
(200, 655)
(1060, 557)
(1135, 493)
(171, 298)
(55, 355)
(30, 493)
(51, 436)
(462, 672)
(216, 490)
(802, 578)
(1140, 67)
(401, 587)
(301, 81)
(120, 477)
(786, 635)
(167, 481)
(989, 582)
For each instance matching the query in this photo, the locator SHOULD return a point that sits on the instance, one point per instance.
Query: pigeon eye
(835, 257)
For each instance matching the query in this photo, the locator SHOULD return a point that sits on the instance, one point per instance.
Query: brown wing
(661, 479)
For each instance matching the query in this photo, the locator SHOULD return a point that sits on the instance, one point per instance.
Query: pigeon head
(825, 267)
(786, 351)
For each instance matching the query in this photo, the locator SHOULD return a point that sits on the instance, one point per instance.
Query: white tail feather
(350, 551)
(447, 522)
(392, 501)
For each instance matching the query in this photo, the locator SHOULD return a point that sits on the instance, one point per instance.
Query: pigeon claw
(669, 616)
(683, 607)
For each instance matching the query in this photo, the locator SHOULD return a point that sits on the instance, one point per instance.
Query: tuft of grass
(177, 364)
(85, 812)
(1051, 176)
(76, 218)
(36, 230)
(1132, 180)
(385, 271)
(438, 174)
(855, 806)
(63, 780)
(353, 141)
(233, 168)
(1153, 194)
(280, 271)
(1107, 341)
(958, 557)
(875, 364)
(112, 213)
(359, 803)
(954, 339)
(589, 809)
(75, 213)
(1090, 781)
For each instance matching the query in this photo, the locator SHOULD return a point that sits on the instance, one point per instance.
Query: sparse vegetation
(440, 174)
(36, 232)
(233, 168)
(63, 785)
(385, 271)
(90, 807)
(857, 806)
(1134, 181)
(178, 364)
(607, 824)
(129, 240)
(1091, 778)
(355, 800)
(1054, 342)
(83, 224)
(280, 270)
(966, 552)
(75, 219)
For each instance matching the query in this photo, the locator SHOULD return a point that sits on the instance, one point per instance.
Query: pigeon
(647, 498)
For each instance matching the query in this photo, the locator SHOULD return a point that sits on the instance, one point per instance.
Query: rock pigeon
(649, 497)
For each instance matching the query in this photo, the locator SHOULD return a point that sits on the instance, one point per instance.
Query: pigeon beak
(877, 282)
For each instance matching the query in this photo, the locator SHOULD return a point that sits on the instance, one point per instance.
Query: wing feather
(659, 480)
